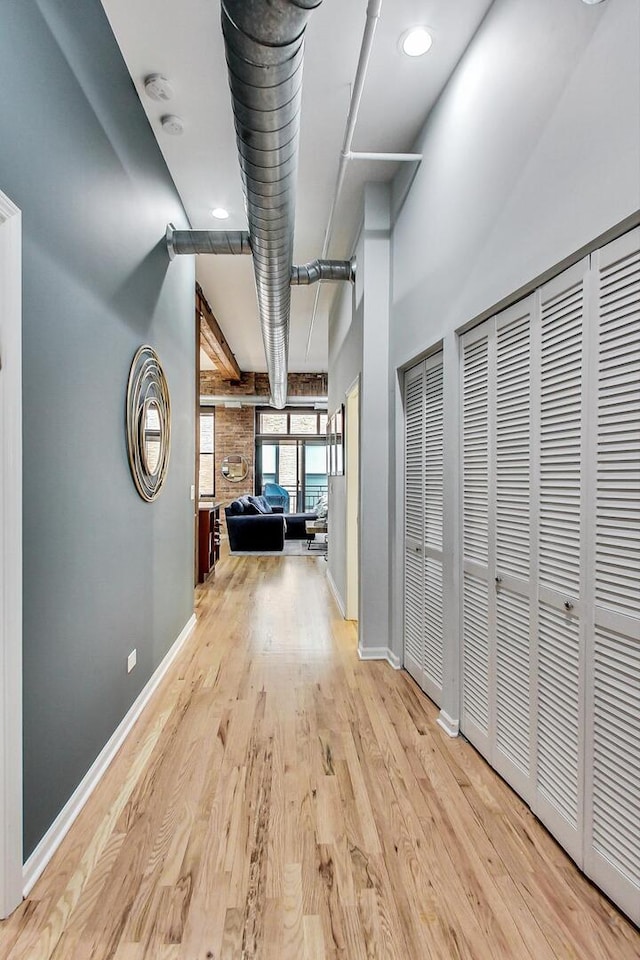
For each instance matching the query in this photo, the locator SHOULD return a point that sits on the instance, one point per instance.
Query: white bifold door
(423, 525)
(551, 557)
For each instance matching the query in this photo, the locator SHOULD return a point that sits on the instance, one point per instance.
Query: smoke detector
(158, 87)
(172, 125)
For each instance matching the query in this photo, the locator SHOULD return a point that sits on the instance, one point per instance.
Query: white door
(423, 561)
(511, 536)
(562, 463)
(551, 557)
(498, 586)
(414, 523)
(433, 525)
(10, 558)
(612, 847)
(477, 713)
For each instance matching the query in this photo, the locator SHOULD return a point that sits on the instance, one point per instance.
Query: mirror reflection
(234, 468)
(151, 436)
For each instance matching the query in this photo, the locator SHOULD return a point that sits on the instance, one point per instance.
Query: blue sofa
(254, 525)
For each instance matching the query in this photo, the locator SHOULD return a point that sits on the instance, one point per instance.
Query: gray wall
(532, 151)
(104, 572)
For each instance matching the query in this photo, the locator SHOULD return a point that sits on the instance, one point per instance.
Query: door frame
(352, 399)
(10, 556)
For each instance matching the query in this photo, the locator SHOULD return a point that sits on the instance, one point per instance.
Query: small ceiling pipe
(206, 241)
(374, 8)
(389, 157)
(264, 42)
(308, 273)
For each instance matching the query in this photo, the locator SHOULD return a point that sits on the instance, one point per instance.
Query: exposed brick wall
(257, 384)
(235, 434)
(235, 429)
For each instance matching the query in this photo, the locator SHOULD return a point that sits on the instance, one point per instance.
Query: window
(291, 451)
(273, 423)
(206, 486)
(295, 423)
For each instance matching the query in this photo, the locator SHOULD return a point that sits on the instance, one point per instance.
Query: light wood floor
(280, 799)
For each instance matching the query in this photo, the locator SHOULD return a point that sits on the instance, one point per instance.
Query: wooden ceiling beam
(212, 340)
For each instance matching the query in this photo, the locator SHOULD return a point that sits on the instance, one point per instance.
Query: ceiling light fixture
(220, 213)
(158, 87)
(416, 42)
(591, 2)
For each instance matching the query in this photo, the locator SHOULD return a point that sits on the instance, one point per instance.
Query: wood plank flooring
(279, 799)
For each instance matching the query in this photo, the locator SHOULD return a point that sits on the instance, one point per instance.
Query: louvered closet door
(414, 485)
(423, 524)
(512, 529)
(561, 558)
(497, 536)
(612, 854)
(477, 400)
(433, 519)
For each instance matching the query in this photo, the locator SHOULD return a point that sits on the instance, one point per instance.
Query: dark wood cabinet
(208, 539)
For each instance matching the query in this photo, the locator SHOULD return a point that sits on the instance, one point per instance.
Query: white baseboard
(380, 653)
(450, 726)
(336, 593)
(60, 826)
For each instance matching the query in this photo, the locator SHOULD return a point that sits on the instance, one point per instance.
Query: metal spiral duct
(264, 47)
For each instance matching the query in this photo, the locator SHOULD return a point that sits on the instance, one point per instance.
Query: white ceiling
(183, 41)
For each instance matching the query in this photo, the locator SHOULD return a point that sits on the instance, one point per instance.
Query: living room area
(262, 474)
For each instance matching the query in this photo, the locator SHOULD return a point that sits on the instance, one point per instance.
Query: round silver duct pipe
(315, 270)
(264, 48)
(206, 241)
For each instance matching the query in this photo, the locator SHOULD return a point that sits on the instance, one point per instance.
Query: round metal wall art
(148, 423)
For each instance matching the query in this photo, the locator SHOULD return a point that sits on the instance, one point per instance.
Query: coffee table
(312, 527)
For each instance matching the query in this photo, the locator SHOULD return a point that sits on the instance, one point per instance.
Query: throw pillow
(261, 504)
(321, 508)
(248, 506)
(235, 508)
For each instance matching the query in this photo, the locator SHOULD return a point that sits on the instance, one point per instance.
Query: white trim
(336, 594)
(352, 500)
(10, 556)
(450, 726)
(380, 653)
(61, 825)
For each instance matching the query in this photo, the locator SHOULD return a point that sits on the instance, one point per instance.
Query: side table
(208, 538)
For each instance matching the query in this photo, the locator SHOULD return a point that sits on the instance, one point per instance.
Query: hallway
(281, 799)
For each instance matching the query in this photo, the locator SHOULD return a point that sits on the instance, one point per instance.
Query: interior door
(513, 531)
(612, 849)
(433, 526)
(414, 485)
(478, 673)
(561, 557)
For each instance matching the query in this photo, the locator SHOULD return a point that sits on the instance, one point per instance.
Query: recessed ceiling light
(220, 213)
(172, 124)
(416, 42)
(158, 87)
(592, 1)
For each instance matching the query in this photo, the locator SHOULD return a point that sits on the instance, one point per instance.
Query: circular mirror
(148, 423)
(234, 468)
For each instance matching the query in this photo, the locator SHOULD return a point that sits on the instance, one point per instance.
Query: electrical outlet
(132, 660)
